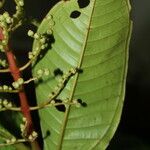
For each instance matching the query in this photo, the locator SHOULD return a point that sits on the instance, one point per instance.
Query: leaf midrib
(62, 132)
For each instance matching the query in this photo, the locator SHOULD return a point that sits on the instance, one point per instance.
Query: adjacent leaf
(92, 36)
(4, 135)
(10, 127)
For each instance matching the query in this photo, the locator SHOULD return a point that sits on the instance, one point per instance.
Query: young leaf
(92, 36)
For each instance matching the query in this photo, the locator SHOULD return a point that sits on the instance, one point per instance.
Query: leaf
(94, 38)
(10, 120)
(10, 127)
(4, 135)
(7, 117)
(8, 148)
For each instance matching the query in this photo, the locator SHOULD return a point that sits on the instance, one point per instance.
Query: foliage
(79, 64)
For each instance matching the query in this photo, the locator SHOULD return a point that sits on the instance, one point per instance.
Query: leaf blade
(79, 39)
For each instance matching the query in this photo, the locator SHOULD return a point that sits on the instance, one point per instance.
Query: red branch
(25, 108)
(23, 98)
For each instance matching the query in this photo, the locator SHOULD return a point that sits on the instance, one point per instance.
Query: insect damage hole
(83, 104)
(58, 71)
(60, 107)
(47, 134)
(83, 3)
(75, 14)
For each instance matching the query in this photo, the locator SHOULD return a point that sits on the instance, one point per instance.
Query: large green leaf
(97, 42)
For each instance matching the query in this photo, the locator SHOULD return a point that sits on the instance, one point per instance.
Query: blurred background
(134, 129)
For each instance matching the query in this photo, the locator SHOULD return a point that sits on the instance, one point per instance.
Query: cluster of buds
(23, 125)
(61, 102)
(51, 23)
(2, 48)
(76, 103)
(5, 19)
(5, 88)
(2, 45)
(79, 103)
(18, 83)
(62, 83)
(5, 104)
(41, 44)
(32, 136)
(42, 72)
(20, 3)
(68, 74)
(3, 63)
(19, 8)
(11, 141)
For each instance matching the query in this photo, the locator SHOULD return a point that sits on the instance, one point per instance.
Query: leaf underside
(94, 38)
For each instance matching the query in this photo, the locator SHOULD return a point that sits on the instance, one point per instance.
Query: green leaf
(10, 127)
(8, 148)
(4, 135)
(95, 39)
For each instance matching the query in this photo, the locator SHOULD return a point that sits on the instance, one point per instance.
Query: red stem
(23, 98)
(25, 108)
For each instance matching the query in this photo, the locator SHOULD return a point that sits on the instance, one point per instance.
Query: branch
(41, 106)
(52, 97)
(16, 74)
(8, 143)
(20, 69)
(18, 17)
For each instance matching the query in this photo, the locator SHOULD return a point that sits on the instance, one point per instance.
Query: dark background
(134, 129)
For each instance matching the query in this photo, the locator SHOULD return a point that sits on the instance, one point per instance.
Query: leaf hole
(83, 3)
(80, 70)
(60, 107)
(48, 133)
(83, 104)
(75, 14)
(58, 71)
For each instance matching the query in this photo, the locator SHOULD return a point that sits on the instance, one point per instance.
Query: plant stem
(23, 99)
(25, 108)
